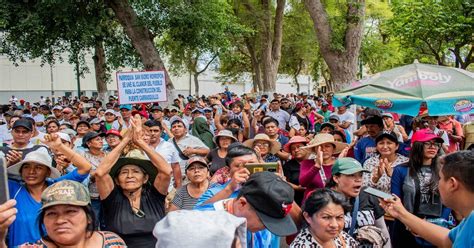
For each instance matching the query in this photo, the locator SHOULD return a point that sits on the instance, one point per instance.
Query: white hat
(213, 229)
(64, 136)
(57, 107)
(39, 157)
(110, 111)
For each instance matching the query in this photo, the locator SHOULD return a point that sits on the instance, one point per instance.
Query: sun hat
(424, 135)
(135, 157)
(39, 157)
(326, 138)
(294, 140)
(272, 199)
(275, 146)
(65, 192)
(90, 135)
(224, 133)
(220, 228)
(196, 159)
(347, 166)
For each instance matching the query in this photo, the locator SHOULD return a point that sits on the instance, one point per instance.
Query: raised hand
(7, 216)
(13, 157)
(318, 161)
(343, 153)
(52, 141)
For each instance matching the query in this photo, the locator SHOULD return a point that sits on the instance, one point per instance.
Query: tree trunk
(100, 70)
(342, 64)
(140, 36)
(297, 83)
(196, 83)
(271, 44)
(257, 75)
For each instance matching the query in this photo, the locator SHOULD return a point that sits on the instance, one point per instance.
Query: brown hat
(275, 146)
(325, 138)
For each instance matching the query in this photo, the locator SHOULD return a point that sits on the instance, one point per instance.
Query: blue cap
(126, 106)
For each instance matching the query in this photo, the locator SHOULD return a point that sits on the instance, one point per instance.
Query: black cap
(327, 124)
(389, 135)
(83, 122)
(88, 136)
(377, 120)
(23, 123)
(272, 199)
(156, 107)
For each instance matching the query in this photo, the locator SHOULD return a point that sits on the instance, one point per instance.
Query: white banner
(141, 87)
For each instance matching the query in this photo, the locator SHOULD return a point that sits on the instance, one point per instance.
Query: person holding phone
(365, 220)
(37, 173)
(265, 147)
(456, 188)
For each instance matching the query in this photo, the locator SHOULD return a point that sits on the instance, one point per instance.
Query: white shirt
(281, 116)
(167, 151)
(347, 117)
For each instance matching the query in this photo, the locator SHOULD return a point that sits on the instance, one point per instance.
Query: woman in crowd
(133, 188)
(200, 129)
(324, 211)
(291, 168)
(265, 147)
(82, 128)
(381, 166)
(197, 171)
(299, 118)
(315, 173)
(416, 184)
(216, 156)
(112, 137)
(365, 220)
(66, 215)
(52, 126)
(37, 173)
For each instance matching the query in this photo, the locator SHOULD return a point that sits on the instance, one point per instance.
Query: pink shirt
(310, 176)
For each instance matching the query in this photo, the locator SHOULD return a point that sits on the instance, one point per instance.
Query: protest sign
(141, 87)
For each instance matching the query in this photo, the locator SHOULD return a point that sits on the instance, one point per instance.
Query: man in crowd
(365, 147)
(280, 115)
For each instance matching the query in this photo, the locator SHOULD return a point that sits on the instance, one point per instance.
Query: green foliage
(436, 28)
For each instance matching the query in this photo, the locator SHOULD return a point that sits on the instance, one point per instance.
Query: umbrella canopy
(446, 90)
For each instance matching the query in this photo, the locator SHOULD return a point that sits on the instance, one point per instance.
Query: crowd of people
(89, 173)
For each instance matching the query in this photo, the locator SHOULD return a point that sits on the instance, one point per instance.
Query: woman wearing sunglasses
(416, 184)
(133, 188)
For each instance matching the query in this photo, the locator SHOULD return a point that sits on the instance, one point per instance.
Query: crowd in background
(152, 174)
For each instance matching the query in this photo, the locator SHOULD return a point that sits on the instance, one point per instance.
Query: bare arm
(217, 121)
(246, 124)
(54, 142)
(104, 181)
(177, 175)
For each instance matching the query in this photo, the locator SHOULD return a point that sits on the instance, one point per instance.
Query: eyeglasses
(262, 144)
(431, 144)
(138, 212)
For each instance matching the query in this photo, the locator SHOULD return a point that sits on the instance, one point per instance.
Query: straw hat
(224, 133)
(275, 146)
(325, 138)
(38, 157)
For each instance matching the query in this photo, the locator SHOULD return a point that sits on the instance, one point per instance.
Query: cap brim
(353, 171)
(74, 203)
(278, 226)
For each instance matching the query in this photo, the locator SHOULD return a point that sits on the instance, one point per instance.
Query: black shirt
(120, 218)
(215, 161)
(291, 170)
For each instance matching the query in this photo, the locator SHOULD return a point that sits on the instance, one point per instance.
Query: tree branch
(321, 24)
(208, 63)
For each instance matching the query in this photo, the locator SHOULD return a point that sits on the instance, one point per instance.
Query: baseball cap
(347, 166)
(196, 159)
(67, 110)
(83, 122)
(334, 117)
(110, 111)
(65, 192)
(64, 136)
(113, 132)
(126, 106)
(272, 199)
(387, 115)
(424, 135)
(327, 124)
(95, 121)
(156, 107)
(88, 136)
(198, 110)
(389, 135)
(69, 131)
(23, 123)
(57, 107)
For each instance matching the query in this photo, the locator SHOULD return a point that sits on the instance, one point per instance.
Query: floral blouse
(305, 240)
(384, 182)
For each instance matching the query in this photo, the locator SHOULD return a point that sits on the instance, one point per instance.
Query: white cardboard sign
(141, 87)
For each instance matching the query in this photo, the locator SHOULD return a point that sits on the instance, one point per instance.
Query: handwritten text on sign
(139, 87)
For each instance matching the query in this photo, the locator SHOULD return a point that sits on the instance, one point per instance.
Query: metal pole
(78, 78)
(52, 82)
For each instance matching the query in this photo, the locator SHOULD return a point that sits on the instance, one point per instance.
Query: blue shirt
(463, 234)
(364, 149)
(211, 192)
(25, 227)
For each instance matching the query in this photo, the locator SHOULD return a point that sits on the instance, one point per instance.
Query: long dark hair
(415, 162)
(91, 226)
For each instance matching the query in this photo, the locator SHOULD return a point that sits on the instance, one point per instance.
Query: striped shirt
(183, 200)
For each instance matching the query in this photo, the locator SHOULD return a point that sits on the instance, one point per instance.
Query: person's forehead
(245, 158)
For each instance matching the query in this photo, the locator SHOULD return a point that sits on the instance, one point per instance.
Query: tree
(139, 34)
(299, 48)
(205, 28)
(437, 29)
(339, 36)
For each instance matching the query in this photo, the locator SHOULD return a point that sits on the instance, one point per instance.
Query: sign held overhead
(141, 87)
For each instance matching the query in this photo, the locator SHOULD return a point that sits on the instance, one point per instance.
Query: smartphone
(4, 194)
(378, 193)
(259, 167)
